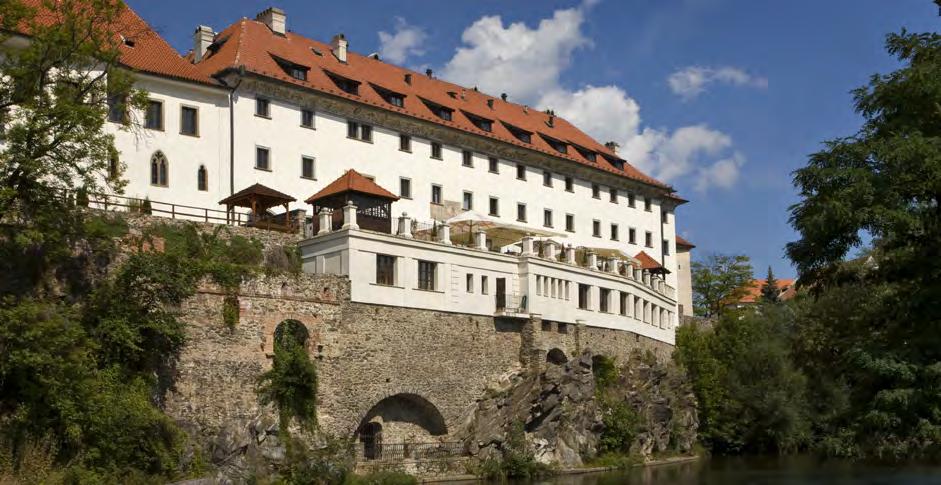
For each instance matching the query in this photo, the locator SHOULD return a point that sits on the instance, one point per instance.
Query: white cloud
(407, 41)
(692, 81)
(527, 63)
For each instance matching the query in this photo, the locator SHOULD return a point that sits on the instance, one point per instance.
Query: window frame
(613, 195)
(569, 184)
(615, 232)
(467, 201)
(648, 239)
(547, 218)
(313, 167)
(521, 210)
(427, 275)
(570, 223)
(304, 113)
(405, 183)
(546, 178)
(467, 158)
(195, 110)
(596, 191)
(405, 143)
(437, 188)
(162, 124)
(267, 151)
(385, 269)
(595, 228)
(266, 103)
(493, 206)
(520, 171)
(493, 165)
(437, 150)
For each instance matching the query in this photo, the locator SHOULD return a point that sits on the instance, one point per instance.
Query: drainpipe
(232, 93)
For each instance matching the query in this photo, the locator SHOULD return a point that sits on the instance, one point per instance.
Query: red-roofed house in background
(684, 276)
(257, 106)
(786, 291)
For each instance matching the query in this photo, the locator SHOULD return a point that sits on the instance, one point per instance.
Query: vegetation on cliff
(852, 367)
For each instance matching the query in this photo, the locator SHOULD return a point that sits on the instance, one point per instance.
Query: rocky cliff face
(563, 420)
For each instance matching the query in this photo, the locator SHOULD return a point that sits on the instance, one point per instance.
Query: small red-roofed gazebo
(259, 199)
(373, 203)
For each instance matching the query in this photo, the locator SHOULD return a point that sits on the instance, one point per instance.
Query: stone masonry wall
(363, 353)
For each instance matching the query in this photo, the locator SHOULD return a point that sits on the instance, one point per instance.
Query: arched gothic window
(159, 170)
(202, 178)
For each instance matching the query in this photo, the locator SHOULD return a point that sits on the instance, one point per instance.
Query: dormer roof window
(615, 162)
(391, 97)
(480, 122)
(556, 145)
(344, 83)
(587, 154)
(442, 112)
(293, 69)
(520, 134)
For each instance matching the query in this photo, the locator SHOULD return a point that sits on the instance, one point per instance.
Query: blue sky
(757, 85)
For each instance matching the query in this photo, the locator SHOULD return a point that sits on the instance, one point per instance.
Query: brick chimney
(274, 18)
(338, 45)
(613, 146)
(202, 39)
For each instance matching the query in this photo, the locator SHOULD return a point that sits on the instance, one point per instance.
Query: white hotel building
(257, 104)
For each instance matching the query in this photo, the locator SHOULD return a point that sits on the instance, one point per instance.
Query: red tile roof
(149, 53)
(352, 181)
(269, 195)
(753, 291)
(252, 44)
(647, 262)
(680, 242)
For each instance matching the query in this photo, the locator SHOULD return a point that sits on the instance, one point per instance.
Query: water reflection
(760, 471)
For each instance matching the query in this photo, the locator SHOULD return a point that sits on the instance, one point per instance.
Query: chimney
(613, 146)
(490, 103)
(338, 45)
(503, 96)
(274, 18)
(429, 73)
(202, 39)
(408, 78)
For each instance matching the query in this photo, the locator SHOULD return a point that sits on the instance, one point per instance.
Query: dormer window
(556, 145)
(293, 69)
(615, 162)
(345, 84)
(442, 112)
(391, 97)
(587, 154)
(480, 122)
(520, 134)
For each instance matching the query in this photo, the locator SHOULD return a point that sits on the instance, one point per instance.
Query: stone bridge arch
(270, 325)
(401, 415)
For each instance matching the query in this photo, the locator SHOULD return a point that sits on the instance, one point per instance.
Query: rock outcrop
(562, 419)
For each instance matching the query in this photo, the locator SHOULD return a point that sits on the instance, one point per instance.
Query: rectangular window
(358, 131)
(436, 194)
(547, 178)
(622, 303)
(117, 108)
(262, 158)
(547, 218)
(569, 184)
(632, 236)
(469, 283)
(189, 121)
(494, 206)
(467, 158)
(405, 188)
(596, 228)
(520, 172)
(494, 165)
(307, 167)
(426, 275)
(570, 222)
(666, 247)
(436, 150)
(614, 195)
(385, 270)
(631, 200)
(262, 108)
(596, 191)
(521, 212)
(648, 239)
(153, 118)
(665, 217)
(614, 232)
(468, 201)
(307, 118)
(647, 204)
(405, 143)
(604, 296)
(583, 293)
(484, 285)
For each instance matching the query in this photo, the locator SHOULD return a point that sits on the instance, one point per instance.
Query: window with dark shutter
(385, 270)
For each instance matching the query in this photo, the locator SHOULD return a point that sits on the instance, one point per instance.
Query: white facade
(467, 280)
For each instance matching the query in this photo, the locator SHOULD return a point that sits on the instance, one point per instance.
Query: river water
(760, 471)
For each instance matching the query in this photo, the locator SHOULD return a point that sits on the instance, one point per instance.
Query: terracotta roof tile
(149, 53)
(680, 242)
(352, 181)
(647, 262)
(261, 191)
(252, 44)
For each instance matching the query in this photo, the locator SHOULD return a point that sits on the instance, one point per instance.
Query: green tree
(719, 280)
(54, 93)
(882, 184)
(770, 292)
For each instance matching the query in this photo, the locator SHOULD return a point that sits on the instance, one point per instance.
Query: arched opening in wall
(556, 356)
(159, 170)
(290, 333)
(402, 418)
(202, 179)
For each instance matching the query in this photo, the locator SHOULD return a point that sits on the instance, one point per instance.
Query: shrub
(620, 427)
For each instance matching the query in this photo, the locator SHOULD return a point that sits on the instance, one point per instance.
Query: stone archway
(556, 356)
(399, 418)
(272, 321)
